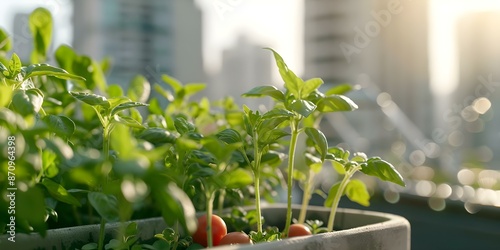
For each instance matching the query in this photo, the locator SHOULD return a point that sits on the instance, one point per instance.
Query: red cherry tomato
(219, 230)
(235, 238)
(298, 230)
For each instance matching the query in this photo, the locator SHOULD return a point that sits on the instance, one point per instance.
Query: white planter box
(360, 230)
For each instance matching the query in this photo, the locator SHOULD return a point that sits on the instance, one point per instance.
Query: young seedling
(299, 100)
(109, 112)
(355, 189)
(316, 145)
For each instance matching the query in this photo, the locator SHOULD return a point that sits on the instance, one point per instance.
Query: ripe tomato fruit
(219, 230)
(235, 238)
(298, 230)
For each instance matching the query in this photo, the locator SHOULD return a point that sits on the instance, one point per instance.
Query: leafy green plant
(66, 175)
(83, 157)
(355, 189)
(299, 100)
(109, 114)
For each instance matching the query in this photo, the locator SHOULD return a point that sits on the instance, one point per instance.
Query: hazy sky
(269, 23)
(278, 24)
(60, 9)
(443, 56)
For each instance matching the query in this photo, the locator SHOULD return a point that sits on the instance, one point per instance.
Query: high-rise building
(149, 37)
(383, 41)
(22, 38)
(244, 66)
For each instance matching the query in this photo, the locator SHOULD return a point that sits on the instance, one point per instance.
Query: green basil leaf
(115, 101)
(157, 136)
(27, 102)
(331, 194)
(183, 126)
(172, 82)
(176, 207)
(335, 103)
(310, 86)
(15, 65)
(319, 139)
(5, 41)
(271, 136)
(121, 141)
(127, 105)
(292, 82)
(59, 192)
(339, 153)
(106, 205)
(219, 149)
(154, 107)
(48, 70)
(359, 157)
(49, 164)
(139, 89)
(266, 91)
(356, 191)
(114, 91)
(6, 96)
(192, 88)
(277, 113)
(272, 119)
(313, 162)
(339, 167)
(383, 170)
(92, 99)
(90, 70)
(303, 107)
(127, 121)
(61, 125)
(339, 89)
(30, 210)
(64, 56)
(237, 178)
(229, 136)
(136, 115)
(40, 23)
(90, 246)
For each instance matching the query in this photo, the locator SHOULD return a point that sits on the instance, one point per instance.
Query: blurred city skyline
(224, 21)
(412, 58)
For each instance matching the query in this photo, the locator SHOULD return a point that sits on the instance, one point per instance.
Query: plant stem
(100, 245)
(210, 207)
(105, 149)
(220, 205)
(291, 159)
(256, 174)
(306, 197)
(257, 200)
(105, 142)
(338, 195)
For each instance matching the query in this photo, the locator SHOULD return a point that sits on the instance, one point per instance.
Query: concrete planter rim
(387, 223)
(378, 223)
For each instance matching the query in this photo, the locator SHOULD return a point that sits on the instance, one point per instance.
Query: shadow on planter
(360, 230)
